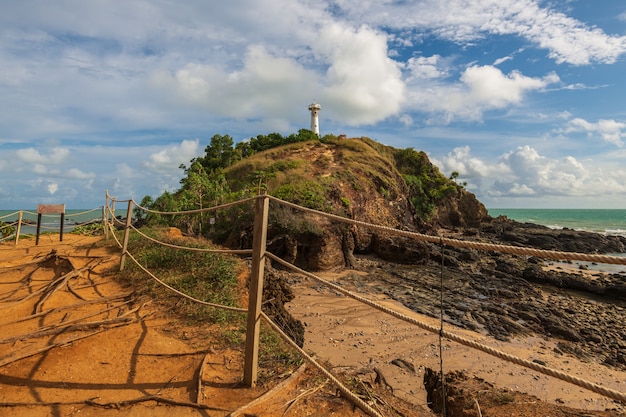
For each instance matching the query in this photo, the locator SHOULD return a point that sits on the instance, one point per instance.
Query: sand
(350, 334)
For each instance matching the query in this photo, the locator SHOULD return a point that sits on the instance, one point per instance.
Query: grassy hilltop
(354, 177)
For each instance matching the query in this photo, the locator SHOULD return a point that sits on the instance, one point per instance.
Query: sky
(525, 99)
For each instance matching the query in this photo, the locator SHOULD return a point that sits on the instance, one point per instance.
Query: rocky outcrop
(462, 210)
(510, 232)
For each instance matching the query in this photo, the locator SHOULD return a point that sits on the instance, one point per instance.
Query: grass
(211, 277)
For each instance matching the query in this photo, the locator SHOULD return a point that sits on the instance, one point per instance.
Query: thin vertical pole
(61, 232)
(129, 214)
(38, 228)
(256, 291)
(19, 227)
(106, 215)
(104, 223)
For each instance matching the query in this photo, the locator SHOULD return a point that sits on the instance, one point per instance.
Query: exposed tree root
(121, 404)
(112, 405)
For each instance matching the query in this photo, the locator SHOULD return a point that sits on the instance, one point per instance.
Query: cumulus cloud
(426, 67)
(266, 85)
(362, 85)
(76, 173)
(609, 130)
(524, 172)
(170, 158)
(470, 167)
(480, 89)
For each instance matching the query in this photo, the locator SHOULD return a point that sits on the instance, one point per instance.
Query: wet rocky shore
(508, 295)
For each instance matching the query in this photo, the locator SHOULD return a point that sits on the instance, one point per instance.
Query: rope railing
(170, 245)
(616, 395)
(169, 287)
(519, 250)
(9, 215)
(196, 211)
(31, 222)
(340, 386)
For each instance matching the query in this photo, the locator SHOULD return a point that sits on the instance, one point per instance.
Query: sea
(610, 222)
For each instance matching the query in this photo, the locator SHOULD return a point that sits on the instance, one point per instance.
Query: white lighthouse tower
(315, 123)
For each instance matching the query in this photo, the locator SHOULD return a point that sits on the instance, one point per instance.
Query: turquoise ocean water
(612, 222)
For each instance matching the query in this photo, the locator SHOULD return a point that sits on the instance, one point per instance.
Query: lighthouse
(315, 123)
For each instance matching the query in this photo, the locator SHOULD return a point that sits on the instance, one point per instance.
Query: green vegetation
(89, 229)
(427, 186)
(282, 167)
(210, 277)
(6, 229)
(306, 193)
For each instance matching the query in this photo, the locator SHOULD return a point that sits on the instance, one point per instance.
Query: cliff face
(461, 210)
(358, 179)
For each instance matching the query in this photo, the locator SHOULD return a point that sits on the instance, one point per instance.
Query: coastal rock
(510, 232)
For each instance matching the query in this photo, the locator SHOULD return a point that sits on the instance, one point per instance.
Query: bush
(6, 229)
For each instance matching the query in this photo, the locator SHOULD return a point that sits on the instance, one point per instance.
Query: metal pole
(126, 233)
(256, 291)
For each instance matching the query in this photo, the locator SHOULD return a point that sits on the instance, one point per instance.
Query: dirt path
(75, 341)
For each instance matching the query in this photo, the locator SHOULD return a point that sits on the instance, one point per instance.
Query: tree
(194, 192)
(219, 154)
(141, 215)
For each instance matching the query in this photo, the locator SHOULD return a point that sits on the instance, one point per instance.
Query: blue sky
(525, 99)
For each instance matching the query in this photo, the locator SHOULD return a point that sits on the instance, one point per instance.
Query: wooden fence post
(19, 227)
(105, 226)
(106, 215)
(129, 215)
(256, 291)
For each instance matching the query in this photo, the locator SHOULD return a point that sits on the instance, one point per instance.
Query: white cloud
(522, 189)
(169, 159)
(610, 130)
(40, 169)
(78, 174)
(32, 155)
(469, 167)
(567, 40)
(525, 172)
(266, 85)
(426, 67)
(53, 187)
(481, 88)
(362, 84)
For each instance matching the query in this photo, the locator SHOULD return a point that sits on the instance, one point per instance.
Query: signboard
(50, 209)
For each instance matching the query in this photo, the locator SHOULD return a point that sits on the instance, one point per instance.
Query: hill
(357, 178)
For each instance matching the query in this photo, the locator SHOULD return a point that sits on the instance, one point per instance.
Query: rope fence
(29, 218)
(548, 254)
